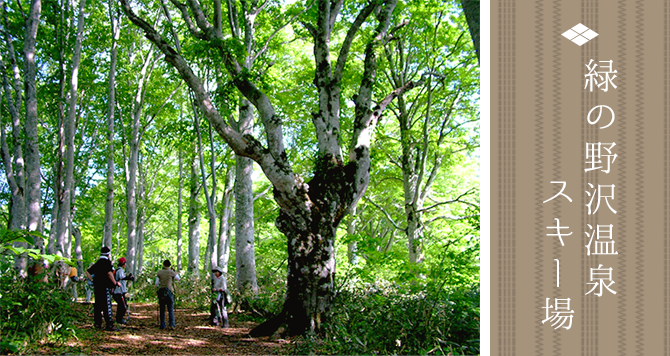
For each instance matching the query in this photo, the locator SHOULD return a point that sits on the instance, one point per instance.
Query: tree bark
(179, 208)
(224, 225)
(64, 221)
(33, 177)
(109, 202)
(194, 221)
(352, 246)
(210, 253)
(245, 261)
(134, 145)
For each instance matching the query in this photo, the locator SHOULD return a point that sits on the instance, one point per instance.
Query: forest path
(192, 336)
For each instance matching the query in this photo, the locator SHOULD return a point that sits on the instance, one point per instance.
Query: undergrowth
(31, 312)
(386, 321)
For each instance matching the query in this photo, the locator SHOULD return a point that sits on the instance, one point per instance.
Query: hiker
(103, 282)
(88, 286)
(218, 313)
(71, 281)
(120, 291)
(166, 277)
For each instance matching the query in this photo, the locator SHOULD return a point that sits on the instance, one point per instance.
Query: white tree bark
(179, 208)
(245, 259)
(24, 177)
(210, 253)
(63, 227)
(193, 221)
(134, 145)
(33, 177)
(224, 225)
(109, 202)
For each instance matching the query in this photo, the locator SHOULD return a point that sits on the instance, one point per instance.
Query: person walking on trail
(218, 313)
(120, 292)
(103, 282)
(71, 281)
(164, 281)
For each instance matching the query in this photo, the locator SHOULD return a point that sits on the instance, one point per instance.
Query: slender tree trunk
(51, 248)
(245, 261)
(352, 247)
(210, 254)
(134, 145)
(142, 199)
(140, 244)
(33, 177)
(109, 202)
(193, 222)
(78, 253)
(224, 226)
(179, 208)
(64, 215)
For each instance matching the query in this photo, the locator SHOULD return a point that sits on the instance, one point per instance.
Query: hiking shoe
(113, 328)
(122, 322)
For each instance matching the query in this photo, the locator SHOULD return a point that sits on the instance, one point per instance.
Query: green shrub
(32, 312)
(384, 320)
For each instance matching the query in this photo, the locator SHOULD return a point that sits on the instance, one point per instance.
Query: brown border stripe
(666, 167)
(621, 228)
(507, 173)
(556, 144)
(539, 176)
(639, 177)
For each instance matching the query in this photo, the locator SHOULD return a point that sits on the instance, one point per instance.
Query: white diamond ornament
(579, 40)
(579, 28)
(570, 34)
(590, 34)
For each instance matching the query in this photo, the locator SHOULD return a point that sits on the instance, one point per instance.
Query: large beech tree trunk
(309, 213)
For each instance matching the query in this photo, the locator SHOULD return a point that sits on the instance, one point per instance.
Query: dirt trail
(192, 336)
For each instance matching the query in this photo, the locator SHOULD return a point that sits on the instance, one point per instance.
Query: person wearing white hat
(218, 313)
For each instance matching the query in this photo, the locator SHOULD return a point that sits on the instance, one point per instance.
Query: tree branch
(448, 217)
(267, 42)
(457, 200)
(385, 213)
(348, 40)
(277, 171)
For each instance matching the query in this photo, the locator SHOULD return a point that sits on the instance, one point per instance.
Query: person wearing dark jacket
(103, 282)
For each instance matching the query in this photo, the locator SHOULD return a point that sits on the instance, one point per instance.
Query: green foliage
(8, 237)
(388, 319)
(32, 312)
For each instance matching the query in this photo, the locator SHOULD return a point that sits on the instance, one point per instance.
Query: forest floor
(192, 336)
